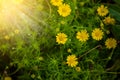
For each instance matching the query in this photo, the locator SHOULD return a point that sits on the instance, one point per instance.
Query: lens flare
(17, 1)
(22, 15)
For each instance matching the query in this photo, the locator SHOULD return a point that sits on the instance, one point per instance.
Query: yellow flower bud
(7, 78)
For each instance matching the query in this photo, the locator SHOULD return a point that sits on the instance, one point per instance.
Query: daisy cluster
(83, 35)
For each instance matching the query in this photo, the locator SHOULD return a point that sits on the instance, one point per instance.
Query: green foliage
(115, 11)
(116, 32)
(34, 53)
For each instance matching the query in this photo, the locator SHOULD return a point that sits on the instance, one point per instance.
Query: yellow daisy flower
(78, 69)
(107, 32)
(64, 10)
(82, 3)
(6, 37)
(82, 36)
(69, 50)
(110, 43)
(40, 58)
(8, 78)
(56, 2)
(109, 20)
(72, 60)
(63, 22)
(16, 31)
(102, 10)
(61, 38)
(97, 34)
(33, 76)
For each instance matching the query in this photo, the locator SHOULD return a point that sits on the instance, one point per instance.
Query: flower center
(97, 34)
(102, 11)
(63, 10)
(56, 0)
(61, 38)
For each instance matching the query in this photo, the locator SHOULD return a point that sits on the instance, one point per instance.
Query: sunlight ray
(23, 15)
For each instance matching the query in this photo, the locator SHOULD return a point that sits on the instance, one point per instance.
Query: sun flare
(23, 15)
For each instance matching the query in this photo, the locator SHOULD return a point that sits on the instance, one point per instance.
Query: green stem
(104, 72)
(15, 71)
(109, 58)
(112, 72)
(89, 51)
